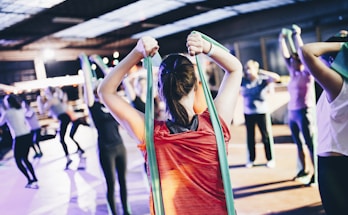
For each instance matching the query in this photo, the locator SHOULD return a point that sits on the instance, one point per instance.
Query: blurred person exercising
(327, 62)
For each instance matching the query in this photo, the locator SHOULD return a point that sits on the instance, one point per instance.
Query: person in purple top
(301, 105)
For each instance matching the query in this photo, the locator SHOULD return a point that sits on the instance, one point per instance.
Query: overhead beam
(60, 54)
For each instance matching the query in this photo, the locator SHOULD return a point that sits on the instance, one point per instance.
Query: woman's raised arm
(128, 117)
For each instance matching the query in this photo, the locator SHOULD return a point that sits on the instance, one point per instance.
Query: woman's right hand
(147, 46)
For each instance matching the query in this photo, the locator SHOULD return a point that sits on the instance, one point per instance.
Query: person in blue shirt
(254, 91)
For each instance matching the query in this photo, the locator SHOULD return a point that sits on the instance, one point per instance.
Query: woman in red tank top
(185, 143)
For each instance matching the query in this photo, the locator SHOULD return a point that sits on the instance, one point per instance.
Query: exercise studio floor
(80, 190)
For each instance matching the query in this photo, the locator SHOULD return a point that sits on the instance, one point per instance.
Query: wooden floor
(257, 191)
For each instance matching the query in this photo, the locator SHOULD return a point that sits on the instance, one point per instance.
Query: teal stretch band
(86, 67)
(218, 132)
(149, 126)
(149, 119)
(150, 148)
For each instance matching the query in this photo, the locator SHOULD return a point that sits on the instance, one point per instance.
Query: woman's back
(189, 169)
(16, 121)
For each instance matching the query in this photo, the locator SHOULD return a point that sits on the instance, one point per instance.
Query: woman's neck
(187, 102)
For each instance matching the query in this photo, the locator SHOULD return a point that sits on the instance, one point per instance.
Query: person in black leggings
(301, 106)
(255, 86)
(327, 62)
(35, 127)
(14, 116)
(112, 152)
(57, 107)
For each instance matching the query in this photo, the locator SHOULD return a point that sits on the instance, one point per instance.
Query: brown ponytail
(176, 79)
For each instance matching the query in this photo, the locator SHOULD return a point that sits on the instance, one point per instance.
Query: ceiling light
(67, 20)
(48, 54)
(142, 10)
(149, 25)
(161, 31)
(190, 1)
(188, 23)
(15, 11)
(260, 5)
(120, 18)
(210, 17)
(105, 60)
(116, 54)
(38, 3)
(8, 20)
(90, 29)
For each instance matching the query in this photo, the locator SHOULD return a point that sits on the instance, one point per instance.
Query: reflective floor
(81, 189)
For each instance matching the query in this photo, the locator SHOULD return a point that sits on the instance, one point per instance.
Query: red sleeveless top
(189, 169)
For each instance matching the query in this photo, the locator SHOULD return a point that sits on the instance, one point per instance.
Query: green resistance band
(218, 131)
(150, 148)
(149, 126)
(86, 68)
(149, 118)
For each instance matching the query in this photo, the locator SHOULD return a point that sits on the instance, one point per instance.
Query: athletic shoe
(270, 164)
(80, 151)
(249, 164)
(69, 161)
(32, 185)
(301, 174)
(311, 182)
(37, 155)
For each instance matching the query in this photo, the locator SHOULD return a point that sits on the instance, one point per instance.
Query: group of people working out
(188, 165)
(325, 63)
(301, 106)
(26, 129)
(177, 86)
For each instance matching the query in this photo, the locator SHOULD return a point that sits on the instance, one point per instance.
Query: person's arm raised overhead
(273, 77)
(297, 36)
(87, 86)
(227, 96)
(128, 117)
(282, 43)
(286, 53)
(40, 104)
(328, 79)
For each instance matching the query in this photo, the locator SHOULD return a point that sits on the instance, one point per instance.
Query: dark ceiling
(26, 39)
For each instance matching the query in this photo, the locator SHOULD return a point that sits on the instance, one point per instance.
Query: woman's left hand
(196, 44)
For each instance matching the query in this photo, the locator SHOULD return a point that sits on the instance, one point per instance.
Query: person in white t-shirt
(14, 116)
(332, 120)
